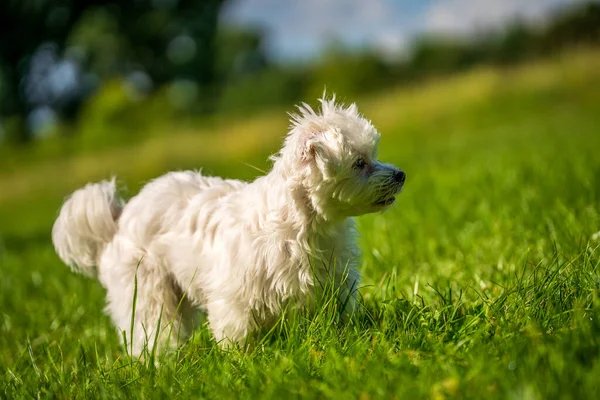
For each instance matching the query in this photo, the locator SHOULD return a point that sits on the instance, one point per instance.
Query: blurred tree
(575, 25)
(434, 55)
(248, 80)
(516, 43)
(51, 50)
(240, 53)
(347, 72)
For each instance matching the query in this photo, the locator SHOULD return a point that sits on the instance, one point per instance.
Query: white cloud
(466, 16)
(300, 28)
(392, 43)
(297, 27)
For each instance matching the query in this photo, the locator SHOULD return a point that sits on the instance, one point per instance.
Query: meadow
(483, 281)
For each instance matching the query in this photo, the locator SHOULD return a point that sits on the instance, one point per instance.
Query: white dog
(238, 251)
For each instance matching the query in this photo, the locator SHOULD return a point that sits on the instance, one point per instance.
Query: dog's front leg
(228, 322)
(347, 280)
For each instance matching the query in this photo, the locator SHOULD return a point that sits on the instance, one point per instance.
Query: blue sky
(297, 29)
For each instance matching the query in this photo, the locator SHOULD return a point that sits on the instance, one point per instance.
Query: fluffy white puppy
(238, 251)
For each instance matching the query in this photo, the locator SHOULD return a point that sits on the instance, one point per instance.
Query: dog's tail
(86, 223)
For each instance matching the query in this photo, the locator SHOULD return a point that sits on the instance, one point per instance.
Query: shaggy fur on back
(238, 251)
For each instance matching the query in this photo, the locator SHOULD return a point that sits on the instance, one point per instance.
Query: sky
(298, 29)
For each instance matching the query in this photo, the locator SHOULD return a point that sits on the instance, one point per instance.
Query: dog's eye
(360, 163)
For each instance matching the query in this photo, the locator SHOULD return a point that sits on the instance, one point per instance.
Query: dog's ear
(312, 136)
(309, 144)
(318, 147)
(306, 131)
(315, 143)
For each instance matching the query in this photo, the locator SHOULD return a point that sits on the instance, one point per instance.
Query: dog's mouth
(385, 202)
(388, 199)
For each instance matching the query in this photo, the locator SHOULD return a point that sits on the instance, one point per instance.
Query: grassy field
(482, 282)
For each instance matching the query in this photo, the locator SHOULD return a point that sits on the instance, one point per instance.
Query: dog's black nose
(400, 177)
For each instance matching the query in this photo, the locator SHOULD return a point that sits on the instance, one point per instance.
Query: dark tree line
(55, 52)
(572, 26)
(163, 38)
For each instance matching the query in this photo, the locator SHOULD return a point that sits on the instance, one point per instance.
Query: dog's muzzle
(394, 187)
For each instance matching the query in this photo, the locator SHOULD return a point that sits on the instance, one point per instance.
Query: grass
(483, 281)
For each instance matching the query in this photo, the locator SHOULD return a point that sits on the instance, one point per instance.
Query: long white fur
(238, 251)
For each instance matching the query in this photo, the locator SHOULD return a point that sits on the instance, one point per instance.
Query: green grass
(482, 282)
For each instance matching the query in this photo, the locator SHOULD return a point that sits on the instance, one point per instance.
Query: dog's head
(334, 153)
